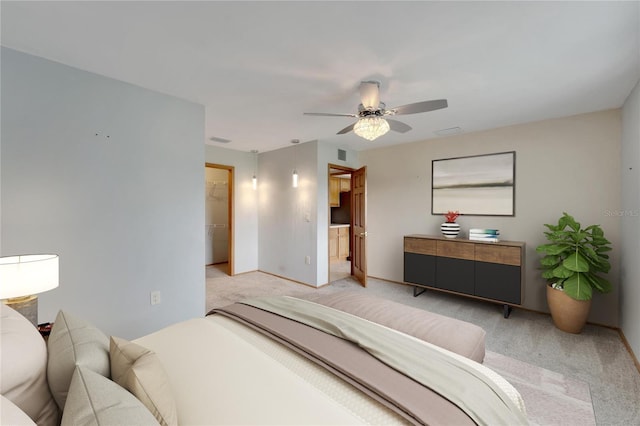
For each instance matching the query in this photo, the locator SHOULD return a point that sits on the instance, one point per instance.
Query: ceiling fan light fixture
(371, 127)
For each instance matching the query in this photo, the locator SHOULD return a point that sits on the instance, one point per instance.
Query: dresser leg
(416, 293)
(506, 310)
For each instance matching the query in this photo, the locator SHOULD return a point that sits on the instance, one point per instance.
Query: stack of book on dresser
(480, 234)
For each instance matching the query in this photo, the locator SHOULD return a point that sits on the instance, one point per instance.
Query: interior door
(218, 191)
(358, 220)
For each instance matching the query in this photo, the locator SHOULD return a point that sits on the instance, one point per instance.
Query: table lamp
(22, 277)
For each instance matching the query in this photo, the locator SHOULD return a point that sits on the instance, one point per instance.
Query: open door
(358, 221)
(219, 217)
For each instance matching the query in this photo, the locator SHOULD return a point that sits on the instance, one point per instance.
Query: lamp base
(27, 306)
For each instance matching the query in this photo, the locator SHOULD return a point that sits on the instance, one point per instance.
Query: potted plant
(573, 259)
(450, 229)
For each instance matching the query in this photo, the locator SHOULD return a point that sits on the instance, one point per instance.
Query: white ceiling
(257, 66)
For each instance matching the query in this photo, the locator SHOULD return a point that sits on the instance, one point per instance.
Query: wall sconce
(294, 177)
(254, 179)
(22, 277)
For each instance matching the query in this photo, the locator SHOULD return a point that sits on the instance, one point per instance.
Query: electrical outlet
(156, 298)
(307, 260)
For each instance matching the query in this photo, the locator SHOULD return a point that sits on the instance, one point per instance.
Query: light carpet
(550, 397)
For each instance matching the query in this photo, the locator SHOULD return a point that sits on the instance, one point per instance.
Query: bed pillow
(72, 342)
(23, 368)
(140, 371)
(95, 400)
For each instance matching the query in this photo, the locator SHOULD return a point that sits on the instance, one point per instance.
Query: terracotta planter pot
(568, 314)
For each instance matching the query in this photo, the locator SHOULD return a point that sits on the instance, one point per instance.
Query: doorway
(346, 213)
(219, 219)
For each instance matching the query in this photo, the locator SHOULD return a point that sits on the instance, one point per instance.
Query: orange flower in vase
(450, 229)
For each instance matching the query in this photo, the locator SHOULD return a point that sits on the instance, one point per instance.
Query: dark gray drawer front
(455, 274)
(499, 282)
(419, 269)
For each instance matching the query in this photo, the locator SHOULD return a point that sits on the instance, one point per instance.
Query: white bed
(218, 370)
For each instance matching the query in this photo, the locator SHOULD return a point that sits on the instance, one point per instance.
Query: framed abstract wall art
(476, 185)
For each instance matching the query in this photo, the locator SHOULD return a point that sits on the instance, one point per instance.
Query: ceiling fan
(372, 114)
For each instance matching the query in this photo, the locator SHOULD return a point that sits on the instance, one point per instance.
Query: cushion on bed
(72, 342)
(23, 370)
(95, 400)
(139, 370)
(454, 335)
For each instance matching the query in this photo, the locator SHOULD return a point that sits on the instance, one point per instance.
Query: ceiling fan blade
(328, 114)
(398, 126)
(370, 94)
(346, 129)
(425, 106)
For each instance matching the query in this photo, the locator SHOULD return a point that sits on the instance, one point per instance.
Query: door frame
(343, 171)
(231, 232)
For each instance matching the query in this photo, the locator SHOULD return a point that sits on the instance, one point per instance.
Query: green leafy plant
(574, 257)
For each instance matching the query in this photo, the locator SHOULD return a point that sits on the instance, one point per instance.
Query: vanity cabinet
(338, 242)
(343, 242)
(483, 270)
(333, 244)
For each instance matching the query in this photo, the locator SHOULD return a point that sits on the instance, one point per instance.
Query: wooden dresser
(482, 270)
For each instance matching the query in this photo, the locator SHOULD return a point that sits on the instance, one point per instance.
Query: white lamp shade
(28, 275)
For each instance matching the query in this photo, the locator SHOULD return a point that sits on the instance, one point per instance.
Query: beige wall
(569, 164)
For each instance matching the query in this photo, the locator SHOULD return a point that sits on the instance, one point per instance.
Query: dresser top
(462, 240)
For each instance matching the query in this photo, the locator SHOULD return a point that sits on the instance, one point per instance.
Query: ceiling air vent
(448, 132)
(342, 155)
(219, 140)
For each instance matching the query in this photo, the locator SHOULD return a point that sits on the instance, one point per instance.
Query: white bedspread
(224, 373)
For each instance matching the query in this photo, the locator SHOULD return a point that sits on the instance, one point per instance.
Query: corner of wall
(630, 221)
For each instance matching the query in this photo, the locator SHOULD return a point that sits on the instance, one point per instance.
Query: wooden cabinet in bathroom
(336, 186)
(334, 192)
(338, 242)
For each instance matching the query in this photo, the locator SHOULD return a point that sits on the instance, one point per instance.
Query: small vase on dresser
(450, 229)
